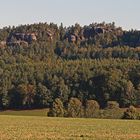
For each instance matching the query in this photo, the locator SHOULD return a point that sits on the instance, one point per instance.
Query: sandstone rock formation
(18, 38)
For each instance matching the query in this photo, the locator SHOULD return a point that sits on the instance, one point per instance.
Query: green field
(35, 112)
(44, 128)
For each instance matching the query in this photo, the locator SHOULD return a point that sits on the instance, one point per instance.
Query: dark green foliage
(112, 105)
(43, 96)
(131, 113)
(42, 62)
(27, 92)
(110, 113)
(57, 109)
(128, 95)
(5, 100)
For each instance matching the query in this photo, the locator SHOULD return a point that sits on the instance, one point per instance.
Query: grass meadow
(14, 127)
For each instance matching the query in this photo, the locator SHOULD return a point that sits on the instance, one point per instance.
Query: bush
(110, 114)
(57, 109)
(131, 113)
(112, 111)
(112, 105)
(91, 108)
(75, 108)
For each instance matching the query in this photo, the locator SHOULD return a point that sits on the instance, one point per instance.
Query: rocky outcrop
(50, 34)
(85, 33)
(89, 32)
(18, 38)
(71, 37)
(2, 44)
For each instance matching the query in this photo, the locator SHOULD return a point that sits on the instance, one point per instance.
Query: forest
(74, 70)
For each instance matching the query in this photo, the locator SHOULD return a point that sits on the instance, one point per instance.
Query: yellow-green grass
(44, 128)
(34, 112)
(43, 112)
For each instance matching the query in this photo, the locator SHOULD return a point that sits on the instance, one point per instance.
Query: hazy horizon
(123, 13)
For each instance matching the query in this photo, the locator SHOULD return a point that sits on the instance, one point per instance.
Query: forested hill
(40, 63)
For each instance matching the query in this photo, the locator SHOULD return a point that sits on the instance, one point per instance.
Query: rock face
(71, 37)
(17, 38)
(2, 44)
(49, 34)
(86, 33)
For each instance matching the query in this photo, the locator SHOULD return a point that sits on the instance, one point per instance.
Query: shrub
(110, 113)
(112, 105)
(91, 108)
(57, 109)
(75, 108)
(131, 113)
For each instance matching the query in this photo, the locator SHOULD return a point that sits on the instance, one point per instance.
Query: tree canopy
(42, 65)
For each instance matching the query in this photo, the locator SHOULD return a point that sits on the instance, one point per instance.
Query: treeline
(37, 84)
(98, 35)
(92, 52)
(91, 109)
(91, 65)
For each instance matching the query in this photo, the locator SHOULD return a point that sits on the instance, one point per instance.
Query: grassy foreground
(44, 128)
(35, 112)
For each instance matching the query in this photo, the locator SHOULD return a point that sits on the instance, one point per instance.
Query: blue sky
(124, 13)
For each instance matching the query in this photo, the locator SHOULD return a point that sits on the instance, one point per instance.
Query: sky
(124, 13)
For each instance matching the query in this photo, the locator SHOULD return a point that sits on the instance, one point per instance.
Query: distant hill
(44, 64)
(100, 34)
